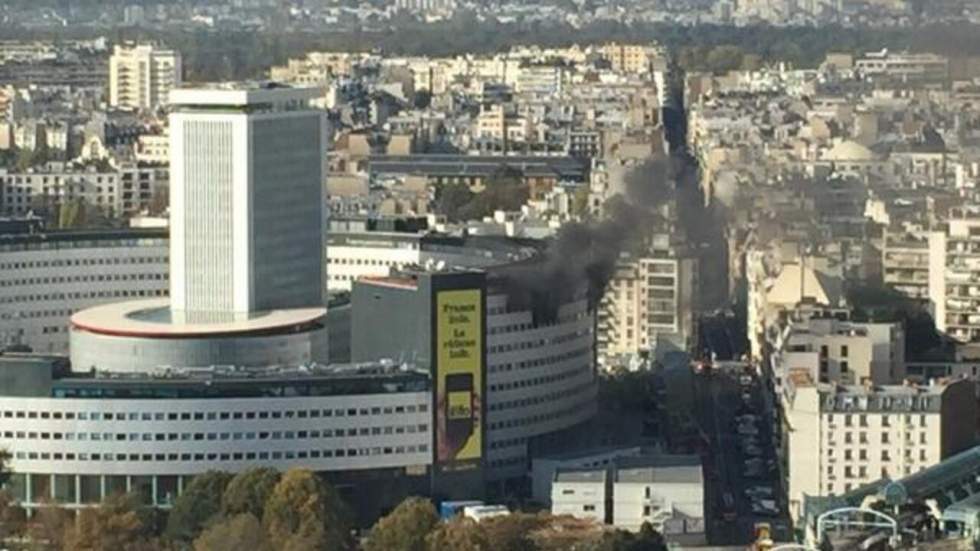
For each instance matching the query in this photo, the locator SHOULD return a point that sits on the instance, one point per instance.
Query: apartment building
(905, 262)
(141, 76)
(954, 276)
(124, 190)
(904, 66)
(633, 58)
(835, 351)
(839, 437)
(649, 305)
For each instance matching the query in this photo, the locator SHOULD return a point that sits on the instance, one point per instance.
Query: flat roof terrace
(152, 318)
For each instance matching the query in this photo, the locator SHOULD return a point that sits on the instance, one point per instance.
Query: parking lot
(744, 486)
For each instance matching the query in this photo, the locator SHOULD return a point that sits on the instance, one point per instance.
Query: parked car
(759, 492)
(753, 451)
(764, 510)
(747, 429)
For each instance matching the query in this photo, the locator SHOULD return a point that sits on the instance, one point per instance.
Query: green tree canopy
(196, 506)
(235, 533)
(513, 532)
(120, 523)
(405, 528)
(306, 513)
(459, 534)
(249, 491)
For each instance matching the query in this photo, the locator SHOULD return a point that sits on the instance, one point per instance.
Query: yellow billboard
(459, 378)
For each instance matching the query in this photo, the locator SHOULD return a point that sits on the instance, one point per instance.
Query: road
(719, 396)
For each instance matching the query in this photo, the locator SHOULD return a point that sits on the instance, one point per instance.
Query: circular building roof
(153, 318)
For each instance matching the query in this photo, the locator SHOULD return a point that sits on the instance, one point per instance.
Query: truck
(449, 509)
(480, 512)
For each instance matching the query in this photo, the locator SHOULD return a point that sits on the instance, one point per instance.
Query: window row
(212, 415)
(885, 420)
(237, 456)
(82, 278)
(539, 418)
(886, 455)
(543, 398)
(535, 381)
(197, 436)
(542, 362)
(83, 262)
(84, 295)
(885, 438)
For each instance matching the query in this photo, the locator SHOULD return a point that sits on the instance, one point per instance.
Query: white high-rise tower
(247, 283)
(246, 202)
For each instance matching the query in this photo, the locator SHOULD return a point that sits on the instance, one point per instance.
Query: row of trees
(262, 509)
(414, 526)
(258, 509)
(217, 55)
(504, 190)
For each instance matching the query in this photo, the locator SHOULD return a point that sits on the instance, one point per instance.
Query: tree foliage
(306, 513)
(196, 506)
(49, 524)
(13, 518)
(405, 528)
(242, 531)
(459, 534)
(120, 523)
(620, 540)
(513, 532)
(249, 491)
(504, 190)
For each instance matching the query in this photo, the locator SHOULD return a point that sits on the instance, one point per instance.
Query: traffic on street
(745, 488)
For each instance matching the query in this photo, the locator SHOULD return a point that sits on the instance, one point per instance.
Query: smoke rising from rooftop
(583, 256)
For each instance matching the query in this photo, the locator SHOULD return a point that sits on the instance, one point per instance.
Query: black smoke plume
(583, 256)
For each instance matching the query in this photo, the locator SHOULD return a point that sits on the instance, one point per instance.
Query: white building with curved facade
(75, 438)
(228, 373)
(47, 277)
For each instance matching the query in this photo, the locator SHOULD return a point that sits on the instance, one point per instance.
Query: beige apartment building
(839, 437)
(954, 276)
(648, 308)
(141, 76)
(830, 350)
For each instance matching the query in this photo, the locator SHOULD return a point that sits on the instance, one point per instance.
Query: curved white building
(76, 438)
(141, 336)
(541, 380)
(46, 277)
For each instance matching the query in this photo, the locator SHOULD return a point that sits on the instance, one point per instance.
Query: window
(843, 351)
(588, 507)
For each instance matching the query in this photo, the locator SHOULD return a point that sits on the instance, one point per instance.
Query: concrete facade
(248, 196)
(841, 437)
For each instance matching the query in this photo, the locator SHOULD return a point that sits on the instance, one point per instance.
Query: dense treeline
(258, 509)
(211, 55)
(262, 509)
